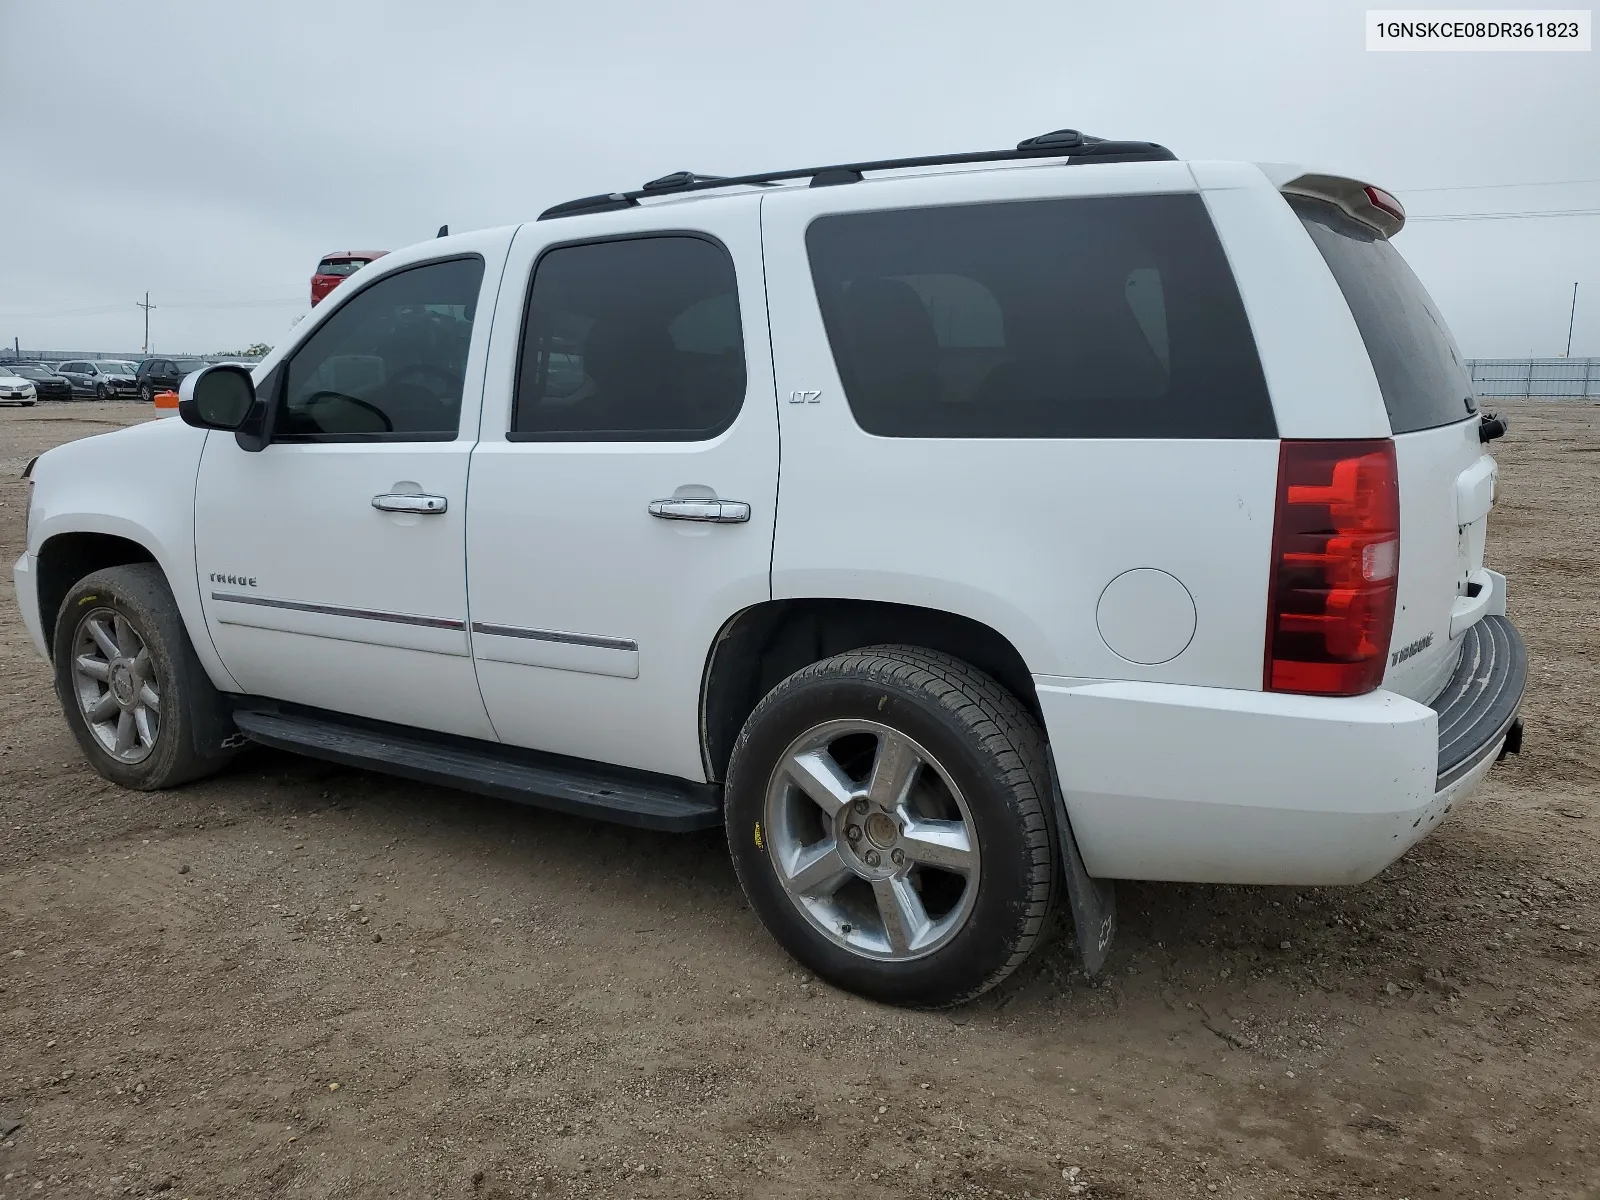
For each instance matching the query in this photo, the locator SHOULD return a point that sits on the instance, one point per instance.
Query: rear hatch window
(340, 266)
(1421, 372)
(1097, 317)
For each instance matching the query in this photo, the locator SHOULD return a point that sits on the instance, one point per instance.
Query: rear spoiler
(1372, 206)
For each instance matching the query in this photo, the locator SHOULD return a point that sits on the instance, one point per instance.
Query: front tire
(889, 819)
(102, 392)
(147, 394)
(129, 683)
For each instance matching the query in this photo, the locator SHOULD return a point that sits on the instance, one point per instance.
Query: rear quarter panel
(1023, 535)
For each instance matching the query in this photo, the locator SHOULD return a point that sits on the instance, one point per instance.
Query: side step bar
(544, 780)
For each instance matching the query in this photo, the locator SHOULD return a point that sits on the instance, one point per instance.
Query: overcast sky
(211, 152)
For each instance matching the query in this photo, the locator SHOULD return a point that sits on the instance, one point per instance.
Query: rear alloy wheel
(888, 818)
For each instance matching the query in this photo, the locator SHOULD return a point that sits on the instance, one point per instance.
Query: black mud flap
(1093, 901)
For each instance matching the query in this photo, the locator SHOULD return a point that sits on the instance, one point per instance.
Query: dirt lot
(299, 980)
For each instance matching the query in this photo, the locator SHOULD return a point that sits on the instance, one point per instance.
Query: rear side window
(1421, 372)
(1103, 317)
(634, 339)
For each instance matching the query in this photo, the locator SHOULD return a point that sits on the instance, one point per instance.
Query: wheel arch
(66, 558)
(765, 643)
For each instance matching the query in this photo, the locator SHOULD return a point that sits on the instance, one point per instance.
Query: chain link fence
(1536, 378)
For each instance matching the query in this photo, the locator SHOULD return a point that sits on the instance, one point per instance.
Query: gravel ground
(301, 980)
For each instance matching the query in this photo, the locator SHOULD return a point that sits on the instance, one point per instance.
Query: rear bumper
(1211, 785)
(1479, 703)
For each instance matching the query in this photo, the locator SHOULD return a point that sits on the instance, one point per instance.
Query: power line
(1481, 187)
(1508, 216)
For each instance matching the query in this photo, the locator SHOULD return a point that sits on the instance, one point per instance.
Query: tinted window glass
(340, 266)
(1423, 376)
(635, 339)
(1099, 317)
(390, 362)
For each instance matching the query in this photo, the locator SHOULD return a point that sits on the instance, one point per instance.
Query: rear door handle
(424, 505)
(721, 512)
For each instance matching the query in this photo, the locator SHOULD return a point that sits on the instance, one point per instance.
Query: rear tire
(134, 694)
(922, 884)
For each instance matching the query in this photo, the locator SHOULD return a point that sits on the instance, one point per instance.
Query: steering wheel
(448, 378)
(388, 425)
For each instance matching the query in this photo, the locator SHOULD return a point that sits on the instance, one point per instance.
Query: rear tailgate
(1446, 479)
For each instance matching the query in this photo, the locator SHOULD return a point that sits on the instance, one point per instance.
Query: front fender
(138, 484)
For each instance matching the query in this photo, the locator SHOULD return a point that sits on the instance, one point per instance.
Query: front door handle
(722, 512)
(423, 505)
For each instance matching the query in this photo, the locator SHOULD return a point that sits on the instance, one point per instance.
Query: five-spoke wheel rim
(872, 840)
(116, 685)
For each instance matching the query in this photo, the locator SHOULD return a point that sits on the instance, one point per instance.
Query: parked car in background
(164, 374)
(47, 385)
(104, 379)
(15, 389)
(335, 268)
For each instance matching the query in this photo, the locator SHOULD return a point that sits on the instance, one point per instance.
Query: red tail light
(1335, 567)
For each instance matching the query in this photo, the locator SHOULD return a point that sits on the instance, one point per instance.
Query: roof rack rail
(1075, 147)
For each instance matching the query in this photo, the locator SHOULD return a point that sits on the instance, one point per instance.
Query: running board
(544, 780)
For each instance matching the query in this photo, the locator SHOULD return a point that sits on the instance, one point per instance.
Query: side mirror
(218, 397)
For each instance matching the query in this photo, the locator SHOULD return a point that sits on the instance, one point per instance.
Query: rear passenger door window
(631, 339)
(1104, 317)
(389, 364)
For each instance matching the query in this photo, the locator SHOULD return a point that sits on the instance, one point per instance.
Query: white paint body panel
(1312, 355)
(136, 483)
(560, 537)
(1218, 786)
(1446, 492)
(26, 590)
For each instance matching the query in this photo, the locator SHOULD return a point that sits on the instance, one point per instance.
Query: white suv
(960, 532)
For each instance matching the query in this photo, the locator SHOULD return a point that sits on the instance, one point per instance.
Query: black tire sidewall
(987, 941)
(127, 591)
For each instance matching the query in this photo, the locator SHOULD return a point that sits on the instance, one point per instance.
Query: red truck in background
(333, 269)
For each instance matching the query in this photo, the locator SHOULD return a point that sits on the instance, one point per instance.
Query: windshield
(340, 266)
(112, 367)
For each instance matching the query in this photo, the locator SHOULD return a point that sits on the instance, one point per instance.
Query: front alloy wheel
(131, 687)
(116, 685)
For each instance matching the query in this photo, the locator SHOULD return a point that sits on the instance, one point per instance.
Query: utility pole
(1572, 313)
(147, 306)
